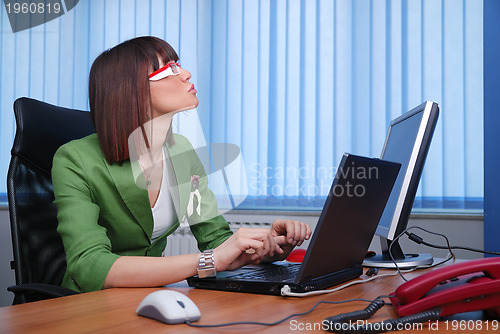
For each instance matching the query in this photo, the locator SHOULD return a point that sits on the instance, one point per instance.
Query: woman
(122, 191)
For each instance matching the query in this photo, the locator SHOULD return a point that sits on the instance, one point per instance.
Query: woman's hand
(288, 234)
(245, 246)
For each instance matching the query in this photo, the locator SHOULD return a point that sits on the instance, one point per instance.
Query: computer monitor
(407, 142)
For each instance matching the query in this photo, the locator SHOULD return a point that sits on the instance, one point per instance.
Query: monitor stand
(404, 261)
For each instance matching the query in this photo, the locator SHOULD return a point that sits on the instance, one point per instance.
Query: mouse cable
(450, 256)
(281, 320)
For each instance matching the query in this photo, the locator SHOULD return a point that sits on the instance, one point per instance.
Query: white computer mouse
(169, 306)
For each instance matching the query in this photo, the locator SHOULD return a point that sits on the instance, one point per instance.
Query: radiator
(182, 240)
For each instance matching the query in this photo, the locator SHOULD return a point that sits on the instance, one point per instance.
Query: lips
(192, 89)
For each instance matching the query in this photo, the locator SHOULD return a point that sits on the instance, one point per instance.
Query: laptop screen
(350, 216)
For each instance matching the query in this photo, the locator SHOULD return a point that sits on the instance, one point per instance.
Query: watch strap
(206, 266)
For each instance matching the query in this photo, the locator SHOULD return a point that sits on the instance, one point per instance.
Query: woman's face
(173, 93)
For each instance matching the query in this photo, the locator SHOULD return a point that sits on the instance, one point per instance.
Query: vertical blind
(293, 83)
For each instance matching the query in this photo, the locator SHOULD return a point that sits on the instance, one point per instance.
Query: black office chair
(39, 258)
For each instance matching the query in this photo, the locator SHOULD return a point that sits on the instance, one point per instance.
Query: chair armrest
(49, 290)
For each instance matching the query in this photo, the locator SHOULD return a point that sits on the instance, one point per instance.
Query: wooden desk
(113, 311)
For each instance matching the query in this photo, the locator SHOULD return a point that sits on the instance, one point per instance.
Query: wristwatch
(206, 266)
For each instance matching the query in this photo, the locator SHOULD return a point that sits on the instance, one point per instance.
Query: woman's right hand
(235, 251)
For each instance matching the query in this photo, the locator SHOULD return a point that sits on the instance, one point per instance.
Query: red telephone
(457, 288)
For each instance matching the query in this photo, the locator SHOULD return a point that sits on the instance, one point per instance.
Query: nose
(186, 75)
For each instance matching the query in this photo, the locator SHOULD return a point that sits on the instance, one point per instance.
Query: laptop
(338, 246)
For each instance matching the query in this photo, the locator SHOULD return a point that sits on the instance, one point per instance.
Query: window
(295, 84)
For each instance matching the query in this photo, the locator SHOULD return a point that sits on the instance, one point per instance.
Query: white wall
(461, 230)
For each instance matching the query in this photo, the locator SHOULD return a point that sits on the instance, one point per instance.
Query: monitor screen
(401, 146)
(407, 142)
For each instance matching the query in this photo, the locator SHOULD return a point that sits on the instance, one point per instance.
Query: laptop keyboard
(277, 273)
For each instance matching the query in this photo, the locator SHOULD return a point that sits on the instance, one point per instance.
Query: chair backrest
(41, 129)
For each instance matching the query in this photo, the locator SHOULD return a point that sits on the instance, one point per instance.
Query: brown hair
(119, 93)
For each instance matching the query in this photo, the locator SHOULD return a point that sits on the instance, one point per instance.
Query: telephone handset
(457, 288)
(462, 287)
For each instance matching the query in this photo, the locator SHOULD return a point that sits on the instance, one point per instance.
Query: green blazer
(103, 214)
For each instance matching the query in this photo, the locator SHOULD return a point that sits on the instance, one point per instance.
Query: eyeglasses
(165, 71)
